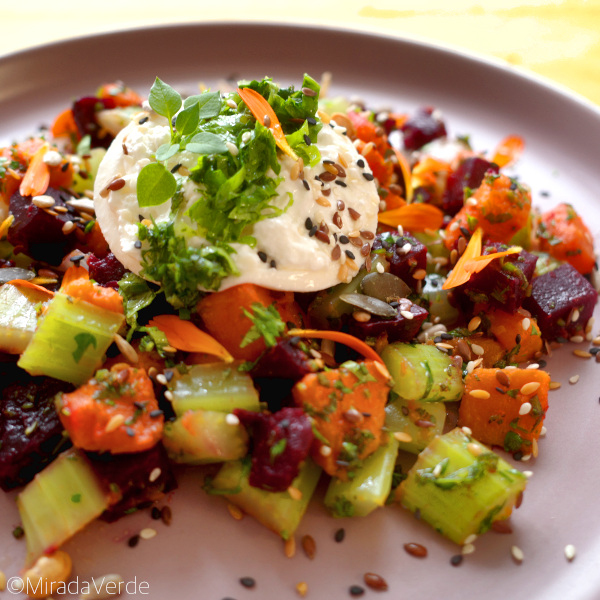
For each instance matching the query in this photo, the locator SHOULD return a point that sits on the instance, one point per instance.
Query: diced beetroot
(404, 253)
(423, 127)
(505, 281)
(281, 441)
(557, 296)
(84, 113)
(106, 271)
(31, 434)
(128, 477)
(469, 174)
(398, 328)
(37, 233)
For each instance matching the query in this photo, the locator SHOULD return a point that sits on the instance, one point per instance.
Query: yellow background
(559, 40)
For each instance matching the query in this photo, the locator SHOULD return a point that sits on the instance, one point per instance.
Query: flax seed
(474, 323)
(417, 550)
(309, 546)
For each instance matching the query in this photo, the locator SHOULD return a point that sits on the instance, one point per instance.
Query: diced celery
(214, 386)
(545, 263)
(435, 246)
(278, 511)
(204, 436)
(60, 501)
(70, 341)
(439, 306)
(422, 372)
(422, 421)
(90, 167)
(368, 489)
(460, 487)
(18, 316)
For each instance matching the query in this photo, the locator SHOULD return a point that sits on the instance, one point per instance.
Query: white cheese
(286, 256)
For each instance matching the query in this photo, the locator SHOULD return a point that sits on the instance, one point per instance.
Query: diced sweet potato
(519, 335)
(347, 406)
(562, 301)
(494, 400)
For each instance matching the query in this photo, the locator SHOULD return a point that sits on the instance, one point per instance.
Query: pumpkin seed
(369, 304)
(384, 286)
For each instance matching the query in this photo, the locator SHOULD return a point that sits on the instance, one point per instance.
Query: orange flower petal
(481, 262)
(184, 335)
(406, 175)
(509, 150)
(342, 338)
(414, 217)
(33, 286)
(459, 274)
(260, 108)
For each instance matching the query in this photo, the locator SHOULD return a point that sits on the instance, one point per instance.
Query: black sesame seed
(308, 223)
(168, 375)
(248, 582)
(544, 193)
(456, 560)
(543, 363)
(447, 336)
(465, 232)
(356, 590)
(518, 339)
(518, 455)
(273, 264)
(593, 350)
(155, 513)
(130, 431)
(368, 176)
(335, 237)
(139, 405)
(155, 413)
(343, 239)
(65, 167)
(360, 162)
(307, 140)
(311, 121)
(305, 184)
(350, 254)
(339, 535)
(176, 168)
(262, 255)
(133, 541)
(561, 340)
(340, 182)
(78, 258)
(143, 120)
(137, 244)
(294, 341)
(500, 390)
(312, 231)
(437, 339)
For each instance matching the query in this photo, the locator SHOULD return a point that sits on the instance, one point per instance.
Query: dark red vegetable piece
(38, 233)
(562, 301)
(505, 282)
(285, 360)
(404, 261)
(106, 271)
(422, 127)
(469, 174)
(281, 442)
(142, 478)
(84, 113)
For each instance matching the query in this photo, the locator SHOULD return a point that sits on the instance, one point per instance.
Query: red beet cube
(422, 127)
(505, 281)
(405, 254)
(562, 301)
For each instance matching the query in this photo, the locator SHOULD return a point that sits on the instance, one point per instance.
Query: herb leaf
(83, 341)
(266, 323)
(137, 295)
(166, 151)
(155, 185)
(164, 100)
(188, 119)
(209, 104)
(206, 143)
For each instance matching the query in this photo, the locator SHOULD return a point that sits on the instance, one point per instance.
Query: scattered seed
(466, 430)
(554, 385)
(289, 547)
(43, 201)
(502, 378)
(573, 380)
(407, 314)
(543, 431)
(68, 227)
(343, 272)
(309, 546)
(232, 419)
(248, 582)
(419, 274)
(596, 341)
(325, 451)
(456, 560)
(339, 535)
(154, 474)
(148, 533)
(402, 436)
(116, 184)
(467, 549)
(533, 366)
(480, 394)
(477, 349)
(356, 590)
(474, 449)
(570, 552)
(525, 408)
(166, 515)
(114, 423)
(416, 550)
(375, 582)
(530, 388)
(525, 324)
(133, 541)
(582, 353)
(302, 588)
(474, 323)
(517, 554)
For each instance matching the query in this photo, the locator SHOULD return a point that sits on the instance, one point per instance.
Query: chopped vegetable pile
(414, 381)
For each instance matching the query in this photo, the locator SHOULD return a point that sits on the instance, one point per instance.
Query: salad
(279, 289)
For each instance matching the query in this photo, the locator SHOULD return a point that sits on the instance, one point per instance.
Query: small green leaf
(83, 341)
(163, 99)
(277, 448)
(155, 185)
(76, 498)
(206, 143)
(188, 119)
(85, 146)
(166, 151)
(209, 104)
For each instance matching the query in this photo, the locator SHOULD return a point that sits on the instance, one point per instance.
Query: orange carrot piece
(102, 297)
(261, 109)
(184, 335)
(33, 286)
(509, 150)
(341, 337)
(121, 94)
(328, 397)
(459, 274)
(102, 414)
(37, 176)
(506, 327)
(74, 272)
(64, 125)
(563, 234)
(413, 217)
(494, 417)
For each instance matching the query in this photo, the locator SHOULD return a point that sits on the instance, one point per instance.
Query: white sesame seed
(454, 226)
(231, 103)
(543, 431)
(52, 158)
(406, 248)
(82, 204)
(43, 201)
(525, 324)
(525, 408)
(68, 227)
(444, 346)
(437, 470)
(474, 449)
(380, 268)
(246, 137)
(233, 149)
(148, 533)
(232, 419)
(577, 339)
(509, 367)
(570, 552)
(114, 423)
(477, 349)
(517, 553)
(466, 430)
(467, 549)
(528, 474)
(470, 538)
(325, 450)
(533, 366)
(169, 395)
(525, 457)
(573, 380)
(154, 474)
(575, 316)
(161, 379)
(407, 314)
(400, 230)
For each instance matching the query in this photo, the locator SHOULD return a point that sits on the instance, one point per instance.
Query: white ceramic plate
(204, 552)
